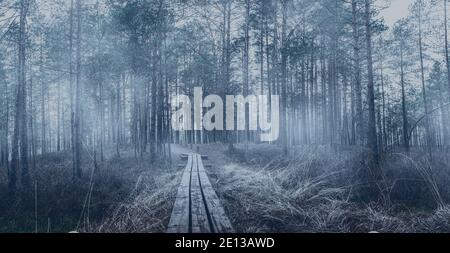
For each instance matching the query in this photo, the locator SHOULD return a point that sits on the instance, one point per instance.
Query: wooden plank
(180, 220)
(197, 208)
(217, 217)
(199, 216)
(184, 156)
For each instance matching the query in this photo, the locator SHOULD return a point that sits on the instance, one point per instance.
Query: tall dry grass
(317, 190)
(147, 210)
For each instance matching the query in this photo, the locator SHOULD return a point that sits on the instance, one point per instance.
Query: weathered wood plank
(218, 219)
(198, 210)
(180, 220)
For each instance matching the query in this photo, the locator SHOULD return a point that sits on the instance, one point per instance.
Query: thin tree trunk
(424, 93)
(404, 111)
(25, 177)
(77, 120)
(246, 64)
(71, 90)
(32, 131)
(372, 132)
(357, 76)
(3, 126)
(383, 101)
(284, 57)
(58, 119)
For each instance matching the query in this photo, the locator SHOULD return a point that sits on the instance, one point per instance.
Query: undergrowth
(316, 189)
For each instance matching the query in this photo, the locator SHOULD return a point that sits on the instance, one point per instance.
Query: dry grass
(314, 191)
(147, 210)
(148, 206)
(59, 204)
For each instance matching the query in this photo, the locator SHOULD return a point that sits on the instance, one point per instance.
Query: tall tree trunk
(20, 120)
(283, 128)
(324, 98)
(6, 143)
(154, 103)
(358, 128)
(383, 103)
(77, 120)
(443, 114)
(227, 67)
(429, 142)
(372, 131)
(447, 63)
(4, 125)
(32, 131)
(246, 64)
(71, 90)
(12, 173)
(3, 160)
(261, 45)
(43, 122)
(25, 177)
(118, 120)
(101, 109)
(58, 119)
(404, 111)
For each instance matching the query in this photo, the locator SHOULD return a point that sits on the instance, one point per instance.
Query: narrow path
(197, 208)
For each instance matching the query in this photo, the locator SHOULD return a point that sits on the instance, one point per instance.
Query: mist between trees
(251, 112)
(83, 76)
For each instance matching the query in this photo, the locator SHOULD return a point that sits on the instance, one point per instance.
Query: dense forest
(86, 141)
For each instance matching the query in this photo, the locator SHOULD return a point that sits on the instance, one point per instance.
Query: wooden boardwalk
(197, 208)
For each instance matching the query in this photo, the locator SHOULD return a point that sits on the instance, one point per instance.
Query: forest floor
(318, 189)
(313, 189)
(117, 185)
